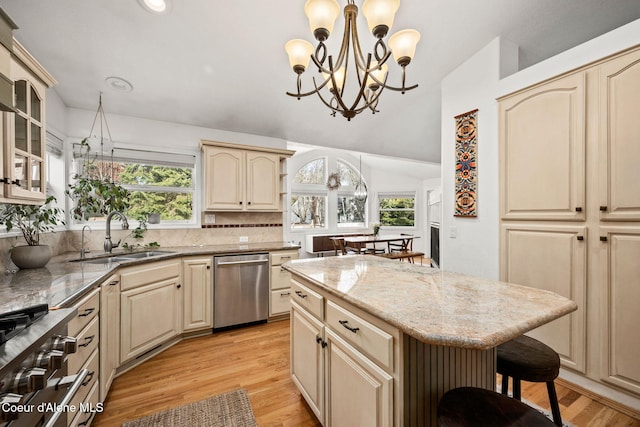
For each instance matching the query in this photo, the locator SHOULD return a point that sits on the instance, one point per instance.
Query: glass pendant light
(360, 192)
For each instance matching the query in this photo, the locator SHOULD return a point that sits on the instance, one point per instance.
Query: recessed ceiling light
(156, 6)
(119, 84)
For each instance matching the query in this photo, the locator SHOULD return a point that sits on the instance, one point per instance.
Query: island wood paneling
(432, 370)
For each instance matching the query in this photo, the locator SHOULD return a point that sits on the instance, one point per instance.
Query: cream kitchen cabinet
(242, 177)
(23, 131)
(619, 269)
(542, 152)
(570, 210)
(307, 358)
(280, 282)
(109, 333)
(85, 327)
(345, 366)
(151, 306)
(198, 289)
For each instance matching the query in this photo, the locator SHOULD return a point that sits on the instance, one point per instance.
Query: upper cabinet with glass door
(23, 132)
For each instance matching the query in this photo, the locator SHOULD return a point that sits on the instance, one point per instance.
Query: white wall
(473, 86)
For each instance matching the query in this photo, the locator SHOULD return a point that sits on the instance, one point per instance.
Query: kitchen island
(377, 342)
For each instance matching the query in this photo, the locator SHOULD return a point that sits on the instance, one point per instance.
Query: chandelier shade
(322, 16)
(380, 14)
(403, 45)
(299, 52)
(351, 73)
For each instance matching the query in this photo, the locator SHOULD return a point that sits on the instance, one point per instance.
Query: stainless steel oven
(35, 389)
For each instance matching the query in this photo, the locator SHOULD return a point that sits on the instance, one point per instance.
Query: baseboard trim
(599, 398)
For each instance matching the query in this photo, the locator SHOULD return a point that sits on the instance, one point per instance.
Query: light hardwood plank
(257, 358)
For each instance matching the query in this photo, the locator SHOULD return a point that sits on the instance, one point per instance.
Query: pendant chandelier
(371, 70)
(360, 192)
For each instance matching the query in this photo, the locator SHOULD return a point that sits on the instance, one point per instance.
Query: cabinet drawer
(84, 416)
(87, 343)
(279, 302)
(134, 277)
(308, 299)
(84, 392)
(88, 308)
(278, 258)
(369, 338)
(280, 278)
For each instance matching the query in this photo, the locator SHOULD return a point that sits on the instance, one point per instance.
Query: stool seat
(527, 359)
(476, 407)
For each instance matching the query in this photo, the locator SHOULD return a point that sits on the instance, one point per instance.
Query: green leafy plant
(138, 234)
(31, 220)
(93, 192)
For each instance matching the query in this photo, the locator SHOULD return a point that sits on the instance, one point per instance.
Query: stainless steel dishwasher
(240, 289)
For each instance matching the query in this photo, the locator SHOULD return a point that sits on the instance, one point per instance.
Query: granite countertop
(434, 306)
(61, 282)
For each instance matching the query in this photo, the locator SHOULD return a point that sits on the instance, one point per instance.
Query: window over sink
(158, 182)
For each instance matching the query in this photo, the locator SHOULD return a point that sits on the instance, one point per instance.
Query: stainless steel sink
(123, 257)
(147, 254)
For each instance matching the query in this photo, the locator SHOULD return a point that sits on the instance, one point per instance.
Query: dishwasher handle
(256, 261)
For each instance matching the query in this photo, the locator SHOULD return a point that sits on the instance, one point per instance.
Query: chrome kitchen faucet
(108, 245)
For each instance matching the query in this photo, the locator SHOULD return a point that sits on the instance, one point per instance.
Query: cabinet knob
(603, 208)
(179, 286)
(578, 209)
(580, 237)
(603, 238)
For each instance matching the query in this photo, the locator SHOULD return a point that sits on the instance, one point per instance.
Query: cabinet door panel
(150, 316)
(542, 146)
(620, 269)
(109, 334)
(359, 392)
(198, 290)
(263, 181)
(551, 258)
(619, 146)
(306, 358)
(224, 178)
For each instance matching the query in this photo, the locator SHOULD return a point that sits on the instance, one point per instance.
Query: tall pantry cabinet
(570, 210)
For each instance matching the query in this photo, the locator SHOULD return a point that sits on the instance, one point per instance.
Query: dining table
(360, 242)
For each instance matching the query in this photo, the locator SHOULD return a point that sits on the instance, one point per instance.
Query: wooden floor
(257, 359)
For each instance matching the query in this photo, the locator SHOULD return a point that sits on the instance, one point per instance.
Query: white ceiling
(222, 65)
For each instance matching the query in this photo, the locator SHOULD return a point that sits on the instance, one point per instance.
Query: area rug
(232, 409)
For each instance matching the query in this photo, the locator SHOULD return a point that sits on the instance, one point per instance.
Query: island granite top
(62, 281)
(434, 306)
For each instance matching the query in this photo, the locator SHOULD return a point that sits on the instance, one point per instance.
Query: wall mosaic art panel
(466, 185)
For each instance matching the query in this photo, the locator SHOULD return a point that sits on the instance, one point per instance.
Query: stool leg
(516, 389)
(553, 401)
(505, 384)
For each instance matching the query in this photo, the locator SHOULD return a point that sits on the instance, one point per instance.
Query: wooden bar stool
(477, 407)
(527, 359)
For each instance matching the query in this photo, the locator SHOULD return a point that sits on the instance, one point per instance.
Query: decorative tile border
(239, 225)
(466, 174)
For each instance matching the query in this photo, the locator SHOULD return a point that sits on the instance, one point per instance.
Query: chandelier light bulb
(339, 77)
(380, 15)
(403, 45)
(379, 74)
(299, 52)
(322, 16)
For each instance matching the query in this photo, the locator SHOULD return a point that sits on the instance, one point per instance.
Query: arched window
(312, 196)
(308, 196)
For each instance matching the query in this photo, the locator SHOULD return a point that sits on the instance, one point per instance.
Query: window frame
(162, 157)
(398, 195)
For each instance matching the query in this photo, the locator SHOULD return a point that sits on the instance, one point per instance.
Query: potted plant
(93, 191)
(31, 220)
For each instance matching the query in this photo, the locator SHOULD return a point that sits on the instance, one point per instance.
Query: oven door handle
(75, 386)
